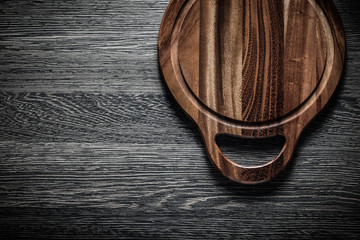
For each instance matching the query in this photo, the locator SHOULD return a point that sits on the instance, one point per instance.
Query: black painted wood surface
(92, 145)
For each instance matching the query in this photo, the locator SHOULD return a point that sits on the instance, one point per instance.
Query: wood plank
(132, 118)
(107, 46)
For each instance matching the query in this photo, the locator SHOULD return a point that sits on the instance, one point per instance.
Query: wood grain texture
(264, 56)
(93, 146)
(265, 68)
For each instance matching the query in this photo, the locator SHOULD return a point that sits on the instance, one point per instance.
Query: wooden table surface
(92, 145)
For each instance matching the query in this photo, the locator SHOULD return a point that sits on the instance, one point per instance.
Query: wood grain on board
(252, 69)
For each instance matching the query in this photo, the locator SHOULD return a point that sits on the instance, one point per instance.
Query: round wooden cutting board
(253, 69)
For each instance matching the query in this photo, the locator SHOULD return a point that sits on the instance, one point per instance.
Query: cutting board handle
(251, 174)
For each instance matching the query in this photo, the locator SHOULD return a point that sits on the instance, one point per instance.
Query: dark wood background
(92, 145)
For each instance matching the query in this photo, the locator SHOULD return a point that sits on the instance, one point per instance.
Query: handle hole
(250, 151)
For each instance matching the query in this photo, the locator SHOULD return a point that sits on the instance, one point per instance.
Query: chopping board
(253, 69)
